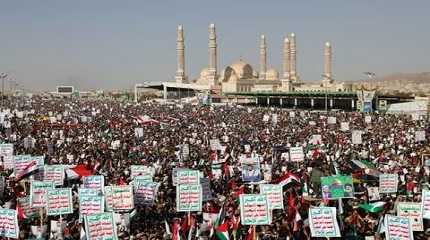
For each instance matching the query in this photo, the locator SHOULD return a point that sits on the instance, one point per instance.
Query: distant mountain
(409, 83)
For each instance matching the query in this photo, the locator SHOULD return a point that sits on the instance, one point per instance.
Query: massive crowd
(102, 135)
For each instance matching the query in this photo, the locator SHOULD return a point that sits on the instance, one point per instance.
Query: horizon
(113, 45)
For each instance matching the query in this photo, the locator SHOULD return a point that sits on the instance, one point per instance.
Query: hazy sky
(114, 44)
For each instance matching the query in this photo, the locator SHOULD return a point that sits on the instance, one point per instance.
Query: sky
(111, 44)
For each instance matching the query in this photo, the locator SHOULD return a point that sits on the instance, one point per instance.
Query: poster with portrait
(337, 187)
(251, 171)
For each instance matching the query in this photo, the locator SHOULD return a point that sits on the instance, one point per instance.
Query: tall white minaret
(293, 59)
(263, 58)
(327, 63)
(180, 54)
(213, 72)
(286, 60)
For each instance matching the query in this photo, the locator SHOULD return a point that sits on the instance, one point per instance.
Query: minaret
(263, 58)
(213, 74)
(327, 63)
(293, 60)
(286, 64)
(180, 54)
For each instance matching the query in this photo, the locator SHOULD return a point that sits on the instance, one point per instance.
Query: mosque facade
(241, 77)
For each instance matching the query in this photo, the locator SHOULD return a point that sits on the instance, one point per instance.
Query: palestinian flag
(222, 232)
(373, 207)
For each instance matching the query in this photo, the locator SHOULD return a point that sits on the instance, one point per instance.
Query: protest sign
(425, 202)
(274, 195)
(40, 160)
(38, 191)
(6, 152)
(216, 170)
(368, 119)
(373, 193)
(267, 172)
(138, 132)
(316, 139)
(100, 226)
(9, 223)
(331, 120)
(206, 189)
(344, 126)
(108, 198)
(356, 137)
(94, 182)
(254, 209)
(23, 165)
(215, 144)
(251, 171)
(25, 204)
(420, 136)
(189, 198)
(187, 176)
(59, 201)
(54, 173)
(292, 114)
(397, 228)
(90, 202)
(122, 198)
(323, 223)
(141, 170)
(412, 211)
(266, 118)
(296, 154)
(312, 123)
(144, 193)
(388, 183)
(274, 118)
(337, 187)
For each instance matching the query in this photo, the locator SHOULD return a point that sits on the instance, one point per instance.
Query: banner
(296, 154)
(38, 191)
(206, 189)
(356, 137)
(344, 126)
(187, 176)
(323, 223)
(388, 183)
(6, 151)
(144, 193)
(337, 187)
(373, 193)
(90, 202)
(94, 182)
(189, 198)
(59, 201)
(54, 173)
(274, 195)
(254, 209)
(122, 198)
(141, 170)
(9, 223)
(425, 202)
(412, 211)
(398, 228)
(100, 226)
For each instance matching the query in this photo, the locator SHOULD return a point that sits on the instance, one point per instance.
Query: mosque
(241, 77)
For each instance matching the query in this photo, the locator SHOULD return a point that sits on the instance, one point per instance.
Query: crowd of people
(102, 135)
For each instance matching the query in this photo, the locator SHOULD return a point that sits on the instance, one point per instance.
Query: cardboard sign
(138, 132)
(141, 170)
(425, 202)
(398, 228)
(412, 211)
(368, 119)
(94, 182)
(420, 136)
(388, 183)
(187, 176)
(189, 198)
(344, 126)
(266, 118)
(9, 223)
(292, 114)
(337, 187)
(100, 226)
(323, 223)
(254, 209)
(122, 198)
(373, 193)
(6, 151)
(144, 193)
(54, 173)
(274, 195)
(206, 189)
(59, 201)
(38, 193)
(356, 137)
(90, 202)
(296, 154)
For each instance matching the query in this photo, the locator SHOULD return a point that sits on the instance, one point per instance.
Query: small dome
(272, 74)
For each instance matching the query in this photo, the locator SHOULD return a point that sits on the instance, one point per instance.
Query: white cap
(212, 25)
(293, 35)
(327, 44)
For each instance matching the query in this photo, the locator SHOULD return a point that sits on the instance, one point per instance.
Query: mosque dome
(238, 69)
(272, 74)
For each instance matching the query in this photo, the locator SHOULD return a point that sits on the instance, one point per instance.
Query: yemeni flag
(373, 207)
(287, 178)
(26, 169)
(222, 232)
(145, 120)
(79, 171)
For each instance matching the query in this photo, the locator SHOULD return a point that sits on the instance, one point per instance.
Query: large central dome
(238, 70)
